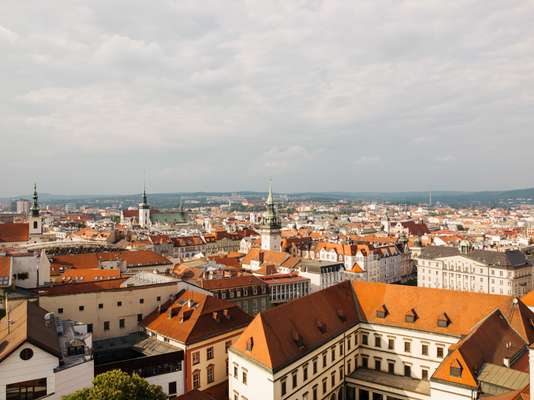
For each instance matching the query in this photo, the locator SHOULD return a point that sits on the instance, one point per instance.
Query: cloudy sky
(221, 95)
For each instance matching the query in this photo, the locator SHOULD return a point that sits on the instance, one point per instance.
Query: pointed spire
(35, 205)
(270, 195)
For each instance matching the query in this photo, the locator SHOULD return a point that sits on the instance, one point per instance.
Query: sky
(96, 96)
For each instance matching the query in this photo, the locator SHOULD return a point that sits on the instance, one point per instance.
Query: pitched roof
(491, 341)
(286, 333)
(92, 260)
(463, 309)
(24, 323)
(280, 335)
(194, 317)
(14, 232)
(508, 258)
(233, 282)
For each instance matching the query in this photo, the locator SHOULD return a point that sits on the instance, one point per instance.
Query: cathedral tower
(35, 221)
(144, 211)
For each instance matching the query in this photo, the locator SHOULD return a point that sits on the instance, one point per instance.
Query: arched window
(210, 373)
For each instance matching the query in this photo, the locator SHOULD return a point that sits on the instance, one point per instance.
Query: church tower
(35, 222)
(144, 211)
(271, 238)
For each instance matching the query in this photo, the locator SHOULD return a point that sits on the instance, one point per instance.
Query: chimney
(506, 362)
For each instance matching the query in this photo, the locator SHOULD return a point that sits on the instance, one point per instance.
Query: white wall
(71, 379)
(164, 379)
(13, 369)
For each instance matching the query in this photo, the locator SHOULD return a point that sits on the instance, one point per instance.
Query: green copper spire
(270, 217)
(35, 205)
(144, 202)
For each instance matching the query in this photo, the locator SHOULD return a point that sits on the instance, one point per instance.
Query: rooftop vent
(382, 312)
(321, 326)
(411, 316)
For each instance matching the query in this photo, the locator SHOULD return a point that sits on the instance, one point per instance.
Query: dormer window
(341, 315)
(298, 339)
(382, 312)
(443, 321)
(411, 316)
(321, 326)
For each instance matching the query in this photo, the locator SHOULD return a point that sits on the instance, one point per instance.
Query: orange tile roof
(90, 274)
(92, 260)
(14, 233)
(193, 324)
(5, 267)
(227, 283)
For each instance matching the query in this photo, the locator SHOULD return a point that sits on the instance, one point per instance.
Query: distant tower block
(271, 238)
(144, 212)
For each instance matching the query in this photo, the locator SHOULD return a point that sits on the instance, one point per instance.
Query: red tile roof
(14, 233)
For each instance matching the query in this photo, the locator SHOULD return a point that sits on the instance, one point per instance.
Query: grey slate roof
(509, 258)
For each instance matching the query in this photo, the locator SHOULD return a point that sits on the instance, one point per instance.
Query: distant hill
(453, 198)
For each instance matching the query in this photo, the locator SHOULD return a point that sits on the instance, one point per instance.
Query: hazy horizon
(322, 96)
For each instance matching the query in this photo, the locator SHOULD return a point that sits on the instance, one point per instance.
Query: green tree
(118, 385)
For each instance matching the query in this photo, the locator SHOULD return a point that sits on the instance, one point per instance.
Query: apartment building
(367, 340)
(482, 271)
(112, 307)
(204, 327)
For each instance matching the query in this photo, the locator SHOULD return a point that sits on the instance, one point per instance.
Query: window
(141, 301)
(424, 349)
(333, 353)
(139, 317)
(106, 325)
(456, 371)
(121, 323)
(196, 379)
(324, 385)
(378, 341)
(81, 308)
(101, 306)
(227, 345)
(333, 378)
(324, 360)
(364, 339)
(294, 379)
(196, 357)
(391, 367)
(209, 353)
(244, 376)
(119, 303)
(407, 347)
(314, 392)
(283, 387)
(210, 374)
(26, 354)
(349, 366)
(172, 387)
(60, 311)
(439, 351)
(89, 328)
(158, 298)
(235, 371)
(33, 389)
(407, 370)
(391, 344)
(365, 362)
(424, 374)
(305, 372)
(378, 364)
(314, 363)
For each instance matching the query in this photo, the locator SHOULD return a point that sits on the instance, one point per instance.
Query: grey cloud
(320, 95)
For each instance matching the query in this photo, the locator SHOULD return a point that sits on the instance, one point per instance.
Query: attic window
(411, 316)
(443, 321)
(321, 326)
(382, 312)
(250, 343)
(341, 315)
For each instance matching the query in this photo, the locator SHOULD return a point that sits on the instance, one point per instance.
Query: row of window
(210, 352)
(389, 344)
(101, 305)
(210, 376)
(389, 367)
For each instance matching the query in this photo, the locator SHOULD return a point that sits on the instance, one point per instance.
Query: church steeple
(144, 210)
(35, 205)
